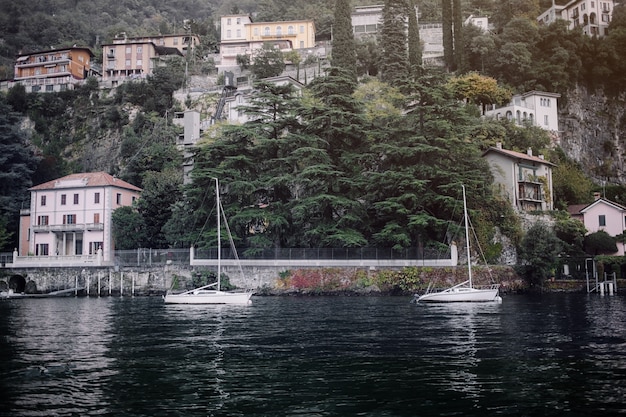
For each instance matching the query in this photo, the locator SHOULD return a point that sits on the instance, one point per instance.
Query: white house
(592, 16)
(525, 180)
(538, 108)
(603, 215)
(69, 221)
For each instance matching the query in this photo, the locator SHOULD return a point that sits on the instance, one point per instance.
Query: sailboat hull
(209, 297)
(462, 295)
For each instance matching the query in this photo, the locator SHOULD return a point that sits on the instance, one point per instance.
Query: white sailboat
(212, 293)
(465, 291)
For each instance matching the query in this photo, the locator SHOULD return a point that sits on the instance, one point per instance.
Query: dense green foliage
(538, 254)
(321, 172)
(18, 162)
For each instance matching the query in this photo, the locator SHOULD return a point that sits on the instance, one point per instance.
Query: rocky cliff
(593, 133)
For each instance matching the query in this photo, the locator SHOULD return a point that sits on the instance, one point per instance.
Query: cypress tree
(415, 47)
(393, 41)
(458, 34)
(446, 24)
(344, 48)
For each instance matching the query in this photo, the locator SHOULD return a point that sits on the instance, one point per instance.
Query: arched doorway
(17, 283)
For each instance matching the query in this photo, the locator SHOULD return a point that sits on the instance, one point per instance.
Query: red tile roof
(518, 155)
(85, 179)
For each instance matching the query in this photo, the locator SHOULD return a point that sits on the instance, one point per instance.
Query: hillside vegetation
(349, 164)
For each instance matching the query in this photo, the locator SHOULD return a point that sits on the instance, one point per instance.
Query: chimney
(529, 152)
(541, 157)
(498, 145)
(596, 196)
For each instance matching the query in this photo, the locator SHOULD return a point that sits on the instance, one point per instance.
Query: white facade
(525, 180)
(535, 107)
(71, 218)
(592, 16)
(366, 20)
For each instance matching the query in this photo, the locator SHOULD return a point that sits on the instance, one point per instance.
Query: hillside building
(69, 220)
(241, 36)
(137, 57)
(52, 70)
(523, 179)
(537, 108)
(592, 16)
(602, 215)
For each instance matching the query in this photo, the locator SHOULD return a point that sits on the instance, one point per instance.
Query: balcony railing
(45, 228)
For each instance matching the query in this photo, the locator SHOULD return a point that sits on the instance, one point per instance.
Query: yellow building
(52, 70)
(241, 36)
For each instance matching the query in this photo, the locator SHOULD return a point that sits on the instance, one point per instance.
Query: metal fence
(149, 257)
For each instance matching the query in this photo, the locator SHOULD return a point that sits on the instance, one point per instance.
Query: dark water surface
(550, 355)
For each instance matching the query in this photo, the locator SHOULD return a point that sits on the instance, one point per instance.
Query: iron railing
(145, 256)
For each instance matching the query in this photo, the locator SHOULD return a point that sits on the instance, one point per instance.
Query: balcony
(47, 228)
(40, 61)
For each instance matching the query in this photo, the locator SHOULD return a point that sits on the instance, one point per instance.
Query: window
(602, 220)
(545, 120)
(239, 33)
(139, 63)
(228, 34)
(96, 218)
(301, 28)
(127, 63)
(267, 31)
(69, 219)
(118, 198)
(279, 30)
(140, 49)
(238, 20)
(128, 50)
(63, 199)
(256, 31)
(43, 200)
(290, 30)
(42, 220)
(96, 198)
(75, 198)
(94, 246)
(49, 88)
(41, 249)
(228, 21)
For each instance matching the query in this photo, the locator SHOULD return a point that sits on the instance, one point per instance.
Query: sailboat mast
(467, 244)
(219, 234)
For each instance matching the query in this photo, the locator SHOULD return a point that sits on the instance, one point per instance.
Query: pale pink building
(69, 220)
(603, 215)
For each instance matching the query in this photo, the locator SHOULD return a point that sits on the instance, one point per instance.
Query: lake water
(550, 355)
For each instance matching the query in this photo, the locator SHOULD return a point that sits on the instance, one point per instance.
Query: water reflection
(59, 354)
(327, 356)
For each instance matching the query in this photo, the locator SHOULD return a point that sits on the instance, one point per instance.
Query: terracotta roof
(85, 179)
(518, 155)
(575, 209)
